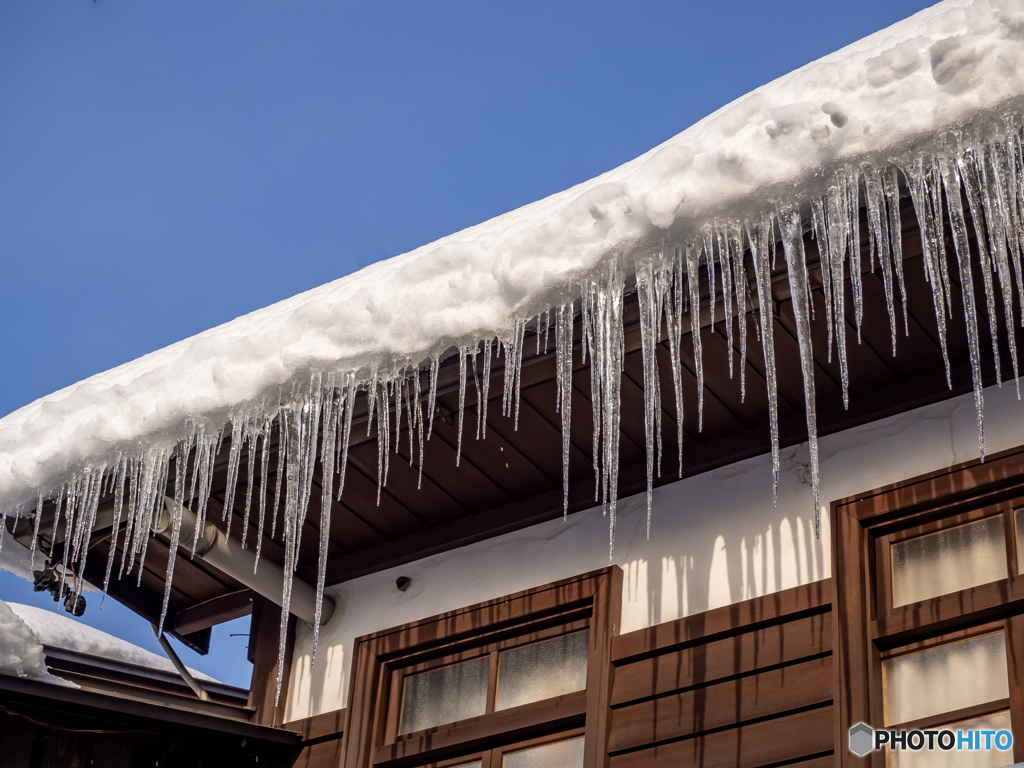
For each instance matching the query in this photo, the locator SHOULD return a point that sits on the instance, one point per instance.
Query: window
(521, 682)
(929, 585)
(563, 751)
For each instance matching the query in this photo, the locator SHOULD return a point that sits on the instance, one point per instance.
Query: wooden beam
(214, 611)
(264, 637)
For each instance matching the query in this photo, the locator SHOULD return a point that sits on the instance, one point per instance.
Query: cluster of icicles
(315, 418)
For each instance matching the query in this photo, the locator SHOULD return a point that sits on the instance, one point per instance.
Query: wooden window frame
(869, 628)
(382, 659)
(492, 758)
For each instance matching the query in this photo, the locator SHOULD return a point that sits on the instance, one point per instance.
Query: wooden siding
(747, 685)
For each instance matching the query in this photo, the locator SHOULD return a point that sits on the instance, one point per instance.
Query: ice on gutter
(930, 107)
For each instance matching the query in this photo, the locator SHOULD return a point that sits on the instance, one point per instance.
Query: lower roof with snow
(874, 195)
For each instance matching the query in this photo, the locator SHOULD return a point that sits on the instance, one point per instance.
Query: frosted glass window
(948, 561)
(937, 758)
(542, 670)
(445, 695)
(945, 678)
(558, 754)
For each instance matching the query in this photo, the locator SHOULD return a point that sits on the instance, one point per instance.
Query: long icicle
(793, 244)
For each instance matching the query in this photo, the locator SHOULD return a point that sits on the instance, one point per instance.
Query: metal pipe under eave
(228, 556)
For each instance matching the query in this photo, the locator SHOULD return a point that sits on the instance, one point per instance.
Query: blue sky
(166, 167)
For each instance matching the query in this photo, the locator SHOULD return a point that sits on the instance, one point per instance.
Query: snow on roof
(21, 653)
(56, 630)
(872, 101)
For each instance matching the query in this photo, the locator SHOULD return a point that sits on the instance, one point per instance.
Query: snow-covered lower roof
(25, 630)
(872, 101)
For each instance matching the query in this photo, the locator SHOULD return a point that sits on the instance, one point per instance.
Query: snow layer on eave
(944, 67)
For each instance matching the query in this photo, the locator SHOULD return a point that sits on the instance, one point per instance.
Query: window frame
(382, 660)
(492, 758)
(871, 629)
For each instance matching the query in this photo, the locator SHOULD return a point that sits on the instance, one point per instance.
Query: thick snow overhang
(873, 195)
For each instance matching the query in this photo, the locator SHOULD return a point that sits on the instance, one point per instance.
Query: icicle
(371, 398)
(282, 456)
(951, 182)
(674, 320)
(291, 433)
(563, 372)
(709, 259)
(650, 294)
(590, 340)
(852, 227)
(250, 437)
(922, 197)
(726, 273)
(479, 393)
(792, 242)
(234, 461)
(399, 379)
(934, 186)
(331, 406)
(759, 238)
(977, 184)
(462, 396)
(877, 225)
(547, 328)
(407, 392)
(133, 481)
(1002, 196)
(693, 278)
(486, 386)
(265, 432)
(605, 298)
(968, 177)
(417, 400)
(740, 283)
(891, 188)
(56, 515)
(513, 368)
(825, 263)
(35, 532)
(837, 239)
(383, 435)
(346, 429)
(432, 402)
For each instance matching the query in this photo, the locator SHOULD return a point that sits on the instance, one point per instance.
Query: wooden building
(476, 625)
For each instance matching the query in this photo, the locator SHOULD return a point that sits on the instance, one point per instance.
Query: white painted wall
(715, 539)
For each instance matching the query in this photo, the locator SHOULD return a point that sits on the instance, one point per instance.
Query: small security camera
(403, 583)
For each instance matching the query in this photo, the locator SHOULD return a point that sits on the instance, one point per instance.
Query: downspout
(197, 689)
(227, 556)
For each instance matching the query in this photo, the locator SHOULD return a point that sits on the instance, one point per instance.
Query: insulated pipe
(227, 555)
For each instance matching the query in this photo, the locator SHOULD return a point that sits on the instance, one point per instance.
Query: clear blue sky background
(166, 167)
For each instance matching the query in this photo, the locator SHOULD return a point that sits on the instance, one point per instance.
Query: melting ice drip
(312, 422)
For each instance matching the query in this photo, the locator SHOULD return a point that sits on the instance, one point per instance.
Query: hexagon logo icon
(862, 738)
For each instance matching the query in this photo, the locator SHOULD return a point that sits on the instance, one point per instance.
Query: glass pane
(542, 670)
(948, 561)
(937, 758)
(445, 695)
(558, 754)
(945, 678)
